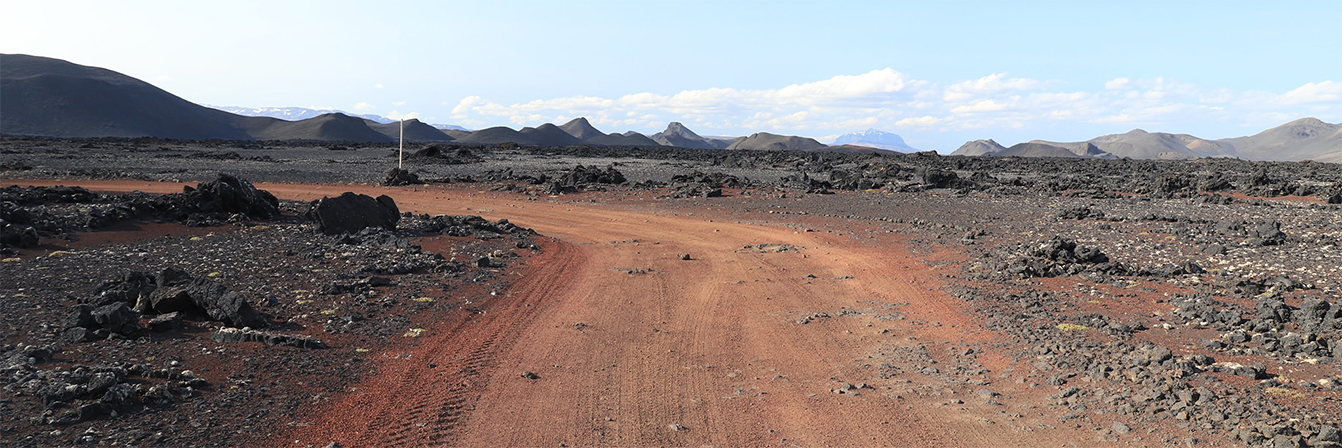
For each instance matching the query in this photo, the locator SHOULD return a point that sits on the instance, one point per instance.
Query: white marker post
(400, 152)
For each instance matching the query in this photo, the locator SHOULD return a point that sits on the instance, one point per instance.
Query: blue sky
(937, 73)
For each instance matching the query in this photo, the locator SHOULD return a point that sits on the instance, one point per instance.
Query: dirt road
(633, 346)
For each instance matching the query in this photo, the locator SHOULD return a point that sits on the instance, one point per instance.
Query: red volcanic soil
(787, 321)
(632, 345)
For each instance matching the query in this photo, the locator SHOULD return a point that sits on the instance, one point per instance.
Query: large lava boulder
(350, 213)
(938, 178)
(178, 292)
(117, 317)
(222, 304)
(229, 194)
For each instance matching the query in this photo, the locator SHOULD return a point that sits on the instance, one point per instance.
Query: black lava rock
(118, 318)
(350, 213)
(229, 194)
(397, 177)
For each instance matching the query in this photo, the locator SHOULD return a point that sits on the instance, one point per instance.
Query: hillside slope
(764, 141)
(51, 97)
(55, 98)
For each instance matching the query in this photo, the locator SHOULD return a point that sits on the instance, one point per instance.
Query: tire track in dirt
(424, 406)
(720, 328)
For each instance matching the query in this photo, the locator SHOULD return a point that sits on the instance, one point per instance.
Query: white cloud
(378, 86)
(466, 104)
(794, 106)
(996, 82)
(1321, 92)
(362, 106)
(398, 103)
(395, 115)
(891, 100)
(917, 122)
(981, 106)
(1120, 118)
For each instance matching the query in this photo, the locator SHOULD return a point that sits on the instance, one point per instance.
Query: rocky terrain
(969, 300)
(207, 316)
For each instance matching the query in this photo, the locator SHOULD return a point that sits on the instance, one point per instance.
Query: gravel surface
(1154, 302)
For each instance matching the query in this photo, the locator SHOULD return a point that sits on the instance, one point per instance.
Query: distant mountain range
(1303, 139)
(873, 138)
(677, 135)
(294, 113)
(51, 97)
(303, 113)
(582, 130)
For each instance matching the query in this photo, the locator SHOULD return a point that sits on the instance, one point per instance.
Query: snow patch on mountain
(875, 139)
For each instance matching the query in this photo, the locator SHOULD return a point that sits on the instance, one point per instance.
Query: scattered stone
(810, 317)
(1080, 213)
(695, 191)
(228, 334)
(164, 323)
(397, 177)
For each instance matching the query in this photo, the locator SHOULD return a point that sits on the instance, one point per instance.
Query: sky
(937, 73)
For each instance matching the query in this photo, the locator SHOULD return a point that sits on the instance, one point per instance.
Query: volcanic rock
(350, 213)
(936, 178)
(180, 293)
(129, 289)
(397, 177)
(81, 316)
(229, 194)
(164, 323)
(271, 339)
(14, 235)
(117, 318)
(446, 154)
(222, 304)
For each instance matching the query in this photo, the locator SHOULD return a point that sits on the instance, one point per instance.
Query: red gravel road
(704, 352)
